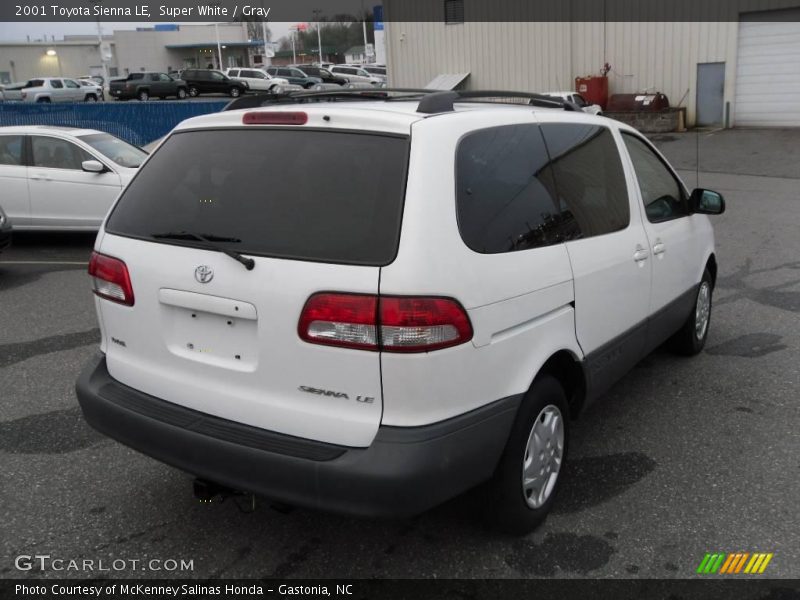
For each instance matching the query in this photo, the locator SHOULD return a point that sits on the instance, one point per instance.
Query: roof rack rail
(432, 102)
(258, 100)
(440, 102)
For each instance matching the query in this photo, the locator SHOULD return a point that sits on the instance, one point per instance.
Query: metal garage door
(768, 70)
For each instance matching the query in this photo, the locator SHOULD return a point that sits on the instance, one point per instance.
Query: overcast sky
(20, 31)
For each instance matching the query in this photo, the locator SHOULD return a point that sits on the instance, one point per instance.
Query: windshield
(254, 186)
(115, 149)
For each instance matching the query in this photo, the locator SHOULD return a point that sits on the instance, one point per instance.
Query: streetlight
(103, 62)
(52, 52)
(317, 12)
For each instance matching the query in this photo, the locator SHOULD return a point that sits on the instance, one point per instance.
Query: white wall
(547, 55)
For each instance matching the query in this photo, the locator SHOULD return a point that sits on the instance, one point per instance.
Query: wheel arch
(711, 265)
(568, 369)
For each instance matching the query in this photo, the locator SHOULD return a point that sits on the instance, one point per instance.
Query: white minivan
(423, 311)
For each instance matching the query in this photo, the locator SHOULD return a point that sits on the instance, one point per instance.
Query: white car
(357, 74)
(59, 178)
(576, 98)
(378, 343)
(258, 79)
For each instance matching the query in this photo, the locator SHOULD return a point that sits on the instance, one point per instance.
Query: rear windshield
(288, 193)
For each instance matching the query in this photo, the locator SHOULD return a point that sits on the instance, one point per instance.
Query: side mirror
(93, 166)
(706, 202)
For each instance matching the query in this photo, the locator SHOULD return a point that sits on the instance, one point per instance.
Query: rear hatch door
(317, 211)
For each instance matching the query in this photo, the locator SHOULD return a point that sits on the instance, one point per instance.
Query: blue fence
(136, 122)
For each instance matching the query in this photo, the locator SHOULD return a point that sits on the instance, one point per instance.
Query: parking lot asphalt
(682, 457)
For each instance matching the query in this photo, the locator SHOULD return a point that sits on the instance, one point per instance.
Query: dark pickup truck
(146, 85)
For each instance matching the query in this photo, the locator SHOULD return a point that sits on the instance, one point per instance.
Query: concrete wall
(147, 50)
(547, 55)
(23, 61)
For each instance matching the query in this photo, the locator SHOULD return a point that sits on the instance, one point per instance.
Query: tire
(691, 337)
(194, 92)
(182, 94)
(143, 95)
(43, 101)
(514, 507)
(235, 92)
(90, 98)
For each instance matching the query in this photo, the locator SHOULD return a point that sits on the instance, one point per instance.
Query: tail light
(110, 279)
(384, 323)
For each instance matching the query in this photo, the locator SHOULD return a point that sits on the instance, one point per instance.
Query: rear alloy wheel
(181, 94)
(235, 92)
(194, 92)
(525, 484)
(143, 96)
(691, 338)
(90, 98)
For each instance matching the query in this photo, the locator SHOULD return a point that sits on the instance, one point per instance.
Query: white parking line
(42, 262)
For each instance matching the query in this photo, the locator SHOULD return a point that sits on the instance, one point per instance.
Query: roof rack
(258, 100)
(443, 101)
(432, 101)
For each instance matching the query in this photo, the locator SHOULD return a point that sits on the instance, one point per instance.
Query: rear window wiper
(210, 242)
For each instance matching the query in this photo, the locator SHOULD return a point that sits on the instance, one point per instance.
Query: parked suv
(378, 343)
(257, 79)
(207, 81)
(323, 74)
(295, 76)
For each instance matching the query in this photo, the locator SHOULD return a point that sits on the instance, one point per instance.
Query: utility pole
(317, 12)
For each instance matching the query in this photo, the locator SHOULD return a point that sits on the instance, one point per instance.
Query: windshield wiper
(210, 242)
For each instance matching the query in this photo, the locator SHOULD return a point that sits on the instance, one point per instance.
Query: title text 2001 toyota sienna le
(426, 313)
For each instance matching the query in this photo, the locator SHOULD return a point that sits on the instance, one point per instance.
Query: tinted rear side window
(505, 192)
(303, 194)
(589, 176)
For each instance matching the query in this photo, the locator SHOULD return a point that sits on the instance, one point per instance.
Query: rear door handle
(659, 248)
(640, 255)
(40, 177)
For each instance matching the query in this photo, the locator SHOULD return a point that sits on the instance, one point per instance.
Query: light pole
(264, 35)
(364, 29)
(219, 45)
(317, 12)
(103, 61)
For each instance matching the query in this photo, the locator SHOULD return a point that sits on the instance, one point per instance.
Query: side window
(662, 194)
(217, 76)
(55, 153)
(71, 84)
(56, 83)
(589, 176)
(10, 149)
(505, 192)
(164, 77)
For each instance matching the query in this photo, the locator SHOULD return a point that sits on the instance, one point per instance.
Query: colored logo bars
(733, 563)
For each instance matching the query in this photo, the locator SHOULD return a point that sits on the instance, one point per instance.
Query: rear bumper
(405, 471)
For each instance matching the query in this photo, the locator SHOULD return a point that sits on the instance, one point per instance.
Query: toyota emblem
(204, 274)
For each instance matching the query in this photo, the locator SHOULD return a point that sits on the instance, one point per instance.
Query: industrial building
(739, 66)
(157, 48)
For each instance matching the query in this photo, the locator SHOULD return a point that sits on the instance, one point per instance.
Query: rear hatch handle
(210, 242)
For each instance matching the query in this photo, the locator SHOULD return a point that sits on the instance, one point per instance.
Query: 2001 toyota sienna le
(370, 307)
